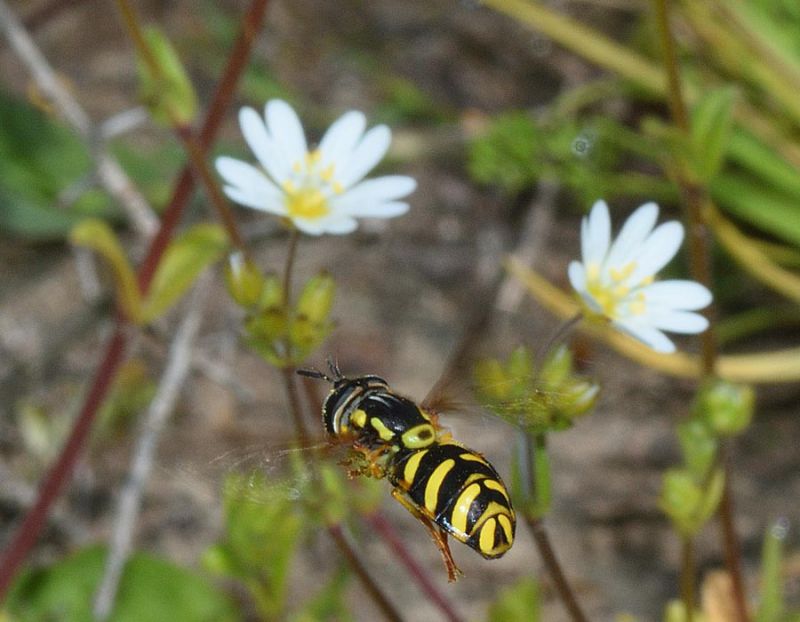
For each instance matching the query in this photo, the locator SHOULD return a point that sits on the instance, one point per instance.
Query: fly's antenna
(315, 373)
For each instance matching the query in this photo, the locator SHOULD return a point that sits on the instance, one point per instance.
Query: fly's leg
(438, 534)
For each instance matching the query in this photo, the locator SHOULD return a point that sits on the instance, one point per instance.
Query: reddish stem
(382, 526)
(57, 477)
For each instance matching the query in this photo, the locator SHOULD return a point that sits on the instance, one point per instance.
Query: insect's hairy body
(437, 479)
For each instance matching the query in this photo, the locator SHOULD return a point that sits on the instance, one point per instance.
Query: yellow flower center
(610, 295)
(307, 203)
(304, 190)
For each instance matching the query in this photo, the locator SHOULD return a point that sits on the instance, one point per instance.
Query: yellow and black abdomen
(461, 492)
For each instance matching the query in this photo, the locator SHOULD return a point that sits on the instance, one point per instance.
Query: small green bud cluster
(283, 334)
(538, 400)
(691, 493)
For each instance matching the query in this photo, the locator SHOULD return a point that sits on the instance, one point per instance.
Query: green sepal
(100, 237)
(699, 446)
(687, 504)
(166, 91)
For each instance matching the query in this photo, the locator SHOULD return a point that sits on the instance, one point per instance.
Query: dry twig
(162, 406)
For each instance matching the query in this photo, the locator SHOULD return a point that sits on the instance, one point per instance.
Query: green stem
(688, 571)
(542, 485)
(695, 197)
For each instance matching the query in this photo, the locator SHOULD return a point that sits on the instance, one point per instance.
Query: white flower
(616, 280)
(318, 190)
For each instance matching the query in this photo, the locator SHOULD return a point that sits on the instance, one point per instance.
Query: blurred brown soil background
(406, 289)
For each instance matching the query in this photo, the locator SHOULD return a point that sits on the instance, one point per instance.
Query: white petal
(255, 201)
(389, 209)
(338, 143)
(333, 224)
(341, 226)
(286, 130)
(657, 250)
(598, 231)
(577, 276)
(248, 185)
(679, 322)
(648, 335)
(369, 151)
(262, 145)
(377, 190)
(633, 233)
(678, 294)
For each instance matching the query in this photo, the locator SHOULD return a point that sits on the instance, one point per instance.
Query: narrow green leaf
(168, 92)
(712, 121)
(763, 207)
(182, 263)
(98, 236)
(764, 162)
(771, 606)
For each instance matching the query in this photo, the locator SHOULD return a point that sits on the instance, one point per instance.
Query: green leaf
(509, 155)
(98, 236)
(518, 603)
(151, 590)
(183, 261)
(711, 124)
(765, 163)
(771, 605)
(328, 605)
(262, 531)
(40, 159)
(768, 209)
(167, 90)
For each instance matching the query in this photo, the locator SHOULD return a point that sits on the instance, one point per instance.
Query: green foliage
(182, 262)
(166, 89)
(132, 392)
(771, 606)
(538, 401)
(509, 154)
(151, 590)
(39, 159)
(710, 131)
(689, 503)
(328, 604)
(517, 603)
(282, 335)
(262, 531)
(404, 102)
(185, 258)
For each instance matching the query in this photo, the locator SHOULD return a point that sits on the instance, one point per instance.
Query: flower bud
(727, 407)
(316, 299)
(244, 281)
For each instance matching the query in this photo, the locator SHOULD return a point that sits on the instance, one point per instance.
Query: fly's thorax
(366, 409)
